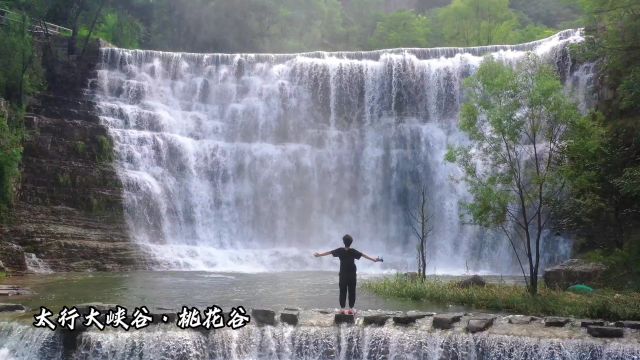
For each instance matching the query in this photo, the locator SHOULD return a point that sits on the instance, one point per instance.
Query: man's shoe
(349, 312)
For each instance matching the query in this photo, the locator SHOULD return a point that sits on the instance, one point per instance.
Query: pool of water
(172, 290)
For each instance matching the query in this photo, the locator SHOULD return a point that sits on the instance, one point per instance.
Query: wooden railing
(37, 27)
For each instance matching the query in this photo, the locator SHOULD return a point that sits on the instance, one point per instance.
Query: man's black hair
(347, 240)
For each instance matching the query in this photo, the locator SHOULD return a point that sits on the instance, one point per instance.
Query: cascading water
(302, 342)
(251, 162)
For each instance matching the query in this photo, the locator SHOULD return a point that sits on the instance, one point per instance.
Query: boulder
(445, 321)
(12, 257)
(605, 331)
(290, 316)
(555, 321)
(344, 319)
(520, 319)
(574, 272)
(587, 323)
(480, 323)
(475, 280)
(629, 324)
(264, 316)
(11, 308)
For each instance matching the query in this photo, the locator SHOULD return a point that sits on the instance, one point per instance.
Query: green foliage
(80, 147)
(10, 157)
(601, 304)
(64, 180)
(105, 149)
(118, 29)
(20, 73)
(521, 125)
(477, 22)
(401, 29)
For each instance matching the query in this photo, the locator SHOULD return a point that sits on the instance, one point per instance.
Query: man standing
(347, 279)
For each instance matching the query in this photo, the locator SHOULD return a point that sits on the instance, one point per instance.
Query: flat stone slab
(376, 319)
(629, 324)
(344, 319)
(290, 316)
(264, 316)
(521, 319)
(555, 321)
(410, 317)
(12, 308)
(587, 323)
(445, 321)
(605, 331)
(480, 323)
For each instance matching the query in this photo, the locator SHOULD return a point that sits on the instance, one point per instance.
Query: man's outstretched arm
(322, 254)
(370, 258)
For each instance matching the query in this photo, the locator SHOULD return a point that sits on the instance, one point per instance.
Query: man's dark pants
(346, 283)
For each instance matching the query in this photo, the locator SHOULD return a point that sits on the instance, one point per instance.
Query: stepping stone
(11, 308)
(264, 316)
(410, 317)
(480, 323)
(376, 319)
(629, 324)
(587, 323)
(344, 319)
(520, 319)
(605, 331)
(290, 316)
(445, 321)
(554, 321)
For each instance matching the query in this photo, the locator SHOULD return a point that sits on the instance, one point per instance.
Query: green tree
(477, 22)
(520, 124)
(401, 29)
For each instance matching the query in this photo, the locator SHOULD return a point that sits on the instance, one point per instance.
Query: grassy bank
(602, 304)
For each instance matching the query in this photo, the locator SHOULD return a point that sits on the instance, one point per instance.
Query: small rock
(605, 331)
(11, 308)
(629, 324)
(264, 316)
(445, 321)
(520, 319)
(475, 280)
(375, 319)
(344, 319)
(481, 323)
(555, 321)
(587, 323)
(290, 316)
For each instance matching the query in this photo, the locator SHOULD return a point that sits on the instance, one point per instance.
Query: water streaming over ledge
(250, 162)
(304, 342)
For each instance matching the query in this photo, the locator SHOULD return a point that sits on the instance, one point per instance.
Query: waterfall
(304, 342)
(250, 162)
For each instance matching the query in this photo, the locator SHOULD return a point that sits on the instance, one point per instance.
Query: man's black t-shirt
(347, 257)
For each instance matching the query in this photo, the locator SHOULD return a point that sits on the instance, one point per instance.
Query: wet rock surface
(290, 316)
(479, 323)
(445, 321)
(555, 321)
(629, 324)
(11, 307)
(263, 316)
(605, 331)
(69, 211)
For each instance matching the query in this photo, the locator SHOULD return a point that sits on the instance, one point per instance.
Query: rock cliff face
(68, 215)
